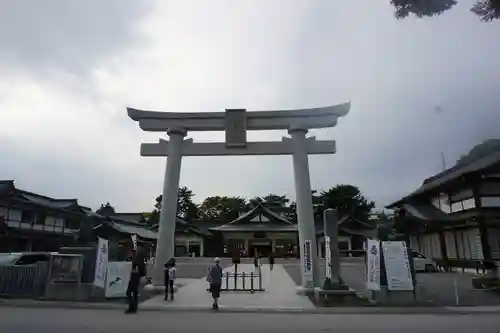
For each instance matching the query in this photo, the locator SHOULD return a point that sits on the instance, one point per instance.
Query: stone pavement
(280, 293)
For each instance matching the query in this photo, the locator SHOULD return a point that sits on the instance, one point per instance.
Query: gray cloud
(65, 35)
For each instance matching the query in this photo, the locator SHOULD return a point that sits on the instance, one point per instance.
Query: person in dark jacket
(138, 271)
(271, 260)
(215, 279)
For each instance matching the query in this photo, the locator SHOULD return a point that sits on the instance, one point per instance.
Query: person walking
(215, 279)
(256, 261)
(138, 271)
(169, 277)
(271, 260)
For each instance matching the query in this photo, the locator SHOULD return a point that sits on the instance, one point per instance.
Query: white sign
(117, 277)
(101, 262)
(397, 266)
(307, 259)
(372, 264)
(328, 258)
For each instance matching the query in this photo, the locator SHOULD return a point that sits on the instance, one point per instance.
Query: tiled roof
(259, 208)
(452, 174)
(252, 227)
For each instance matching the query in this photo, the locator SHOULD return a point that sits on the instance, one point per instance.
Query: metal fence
(23, 281)
(241, 281)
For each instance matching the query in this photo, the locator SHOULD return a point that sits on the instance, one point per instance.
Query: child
(169, 279)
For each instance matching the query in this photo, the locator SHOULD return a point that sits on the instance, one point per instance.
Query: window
(415, 254)
(469, 203)
(456, 207)
(32, 259)
(40, 218)
(27, 216)
(490, 201)
(72, 224)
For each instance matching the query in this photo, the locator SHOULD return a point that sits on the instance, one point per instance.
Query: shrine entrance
(236, 123)
(261, 247)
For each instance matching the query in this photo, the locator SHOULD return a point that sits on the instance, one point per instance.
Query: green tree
(186, 208)
(480, 150)
(487, 10)
(224, 209)
(347, 199)
(106, 210)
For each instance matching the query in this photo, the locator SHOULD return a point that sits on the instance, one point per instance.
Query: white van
(422, 263)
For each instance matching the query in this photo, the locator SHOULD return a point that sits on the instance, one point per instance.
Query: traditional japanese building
(34, 222)
(454, 217)
(258, 231)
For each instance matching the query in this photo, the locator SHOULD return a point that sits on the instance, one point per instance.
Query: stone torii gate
(236, 123)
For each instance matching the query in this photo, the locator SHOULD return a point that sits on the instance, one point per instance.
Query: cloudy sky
(68, 70)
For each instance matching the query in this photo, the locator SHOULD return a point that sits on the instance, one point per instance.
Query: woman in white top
(169, 286)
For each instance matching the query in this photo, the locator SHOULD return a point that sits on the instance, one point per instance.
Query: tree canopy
(221, 208)
(485, 148)
(487, 10)
(347, 199)
(106, 210)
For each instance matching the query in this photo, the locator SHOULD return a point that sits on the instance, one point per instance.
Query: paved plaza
(280, 292)
(433, 289)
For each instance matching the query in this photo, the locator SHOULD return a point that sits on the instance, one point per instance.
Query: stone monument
(236, 123)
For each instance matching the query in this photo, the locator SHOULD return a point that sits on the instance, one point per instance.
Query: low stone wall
(73, 292)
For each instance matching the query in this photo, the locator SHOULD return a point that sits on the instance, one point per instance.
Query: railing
(23, 281)
(241, 281)
(60, 229)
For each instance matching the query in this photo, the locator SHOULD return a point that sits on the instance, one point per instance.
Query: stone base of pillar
(329, 285)
(304, 291)
(338, 297)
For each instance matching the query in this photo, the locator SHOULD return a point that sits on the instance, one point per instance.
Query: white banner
(372, 264)
(328, 258)
(397, 266)
(134, 241)
(307, 259)
(101, 262)
(117, 277)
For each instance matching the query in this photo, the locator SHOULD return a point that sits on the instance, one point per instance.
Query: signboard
(101, 262)
(307, 259)
(397, 266)
(66, 267)
(236, 128)
(328, 258)
(117, 277)
(372, 249)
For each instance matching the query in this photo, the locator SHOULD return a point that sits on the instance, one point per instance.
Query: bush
(486, 282)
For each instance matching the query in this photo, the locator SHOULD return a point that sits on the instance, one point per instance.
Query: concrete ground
(22, 320)
(439, 289)
(279, 292)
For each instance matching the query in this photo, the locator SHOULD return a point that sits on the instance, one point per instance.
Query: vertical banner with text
(397, 266)
(373, 264)
(307, 259)
(101, 263)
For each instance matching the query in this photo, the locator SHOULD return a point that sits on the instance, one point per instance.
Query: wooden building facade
(454, 217)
